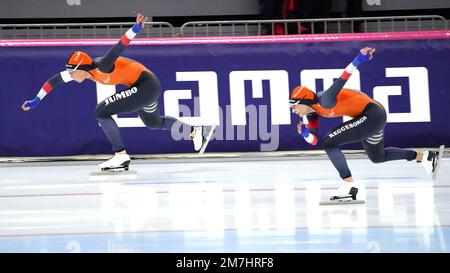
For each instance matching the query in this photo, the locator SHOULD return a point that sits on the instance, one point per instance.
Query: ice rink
(244, 204)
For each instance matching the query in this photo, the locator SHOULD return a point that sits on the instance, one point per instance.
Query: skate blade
(341, 202)
(436, 170)
(208, 137)
(113, 172)
(199, 131)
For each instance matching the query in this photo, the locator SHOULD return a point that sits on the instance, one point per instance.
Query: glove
(310, 138)
(362, 58)
(302, 130)
(32, 103)
(136, 28)
(140, 21)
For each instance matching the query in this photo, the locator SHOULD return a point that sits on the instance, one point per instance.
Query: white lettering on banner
(208, 110)
(258, 126)
(373, 2)
(208, 94)
(328, 76)
(279, 94)
(73, 2)
(419, 99)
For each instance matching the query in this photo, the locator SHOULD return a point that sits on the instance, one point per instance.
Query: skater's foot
(430, 160)
(197, 137)
(201, 136)
(118, 161)
(208, 132)
(346, 191)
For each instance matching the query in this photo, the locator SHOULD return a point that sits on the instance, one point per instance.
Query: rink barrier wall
(309, 38)
(188, 157)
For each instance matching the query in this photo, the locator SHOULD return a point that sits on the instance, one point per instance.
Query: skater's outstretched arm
(327, 98)
(309, 131)
(57, 79)
(106, 63)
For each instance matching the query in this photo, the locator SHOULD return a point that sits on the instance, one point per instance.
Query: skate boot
(118, 163)
(197, 137)
(431, 161)
(207, 135)
(201, 136)
(345, 194)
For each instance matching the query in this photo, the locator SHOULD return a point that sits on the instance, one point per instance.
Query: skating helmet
(80, 60)
(302, 95)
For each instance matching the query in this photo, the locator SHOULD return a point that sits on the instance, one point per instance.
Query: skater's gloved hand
(31, 104)
(309, 137)
(364, 55)
(140, 22)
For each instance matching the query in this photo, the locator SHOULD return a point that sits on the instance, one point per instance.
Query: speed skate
(341, 202)
(119, 164)
(349, 198)
(437, 162)
(207, 138)
(201, 135)
(117, 171)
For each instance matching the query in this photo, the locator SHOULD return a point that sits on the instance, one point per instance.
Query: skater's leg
(366, 125)
(340, 135)
(111, 130)
(151, 117)
(331, 145)
(153, 120)
(374, 147)
(125, 101)
(371, 121)
(430, 160)
(108, 107)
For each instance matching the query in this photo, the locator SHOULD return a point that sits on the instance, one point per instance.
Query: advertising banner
(243, 87)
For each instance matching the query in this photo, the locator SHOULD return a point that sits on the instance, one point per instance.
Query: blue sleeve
(327, 98)
(106, 63)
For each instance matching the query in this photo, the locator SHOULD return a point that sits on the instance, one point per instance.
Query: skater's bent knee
(100, 112)
(376, 159)
(153, 123)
